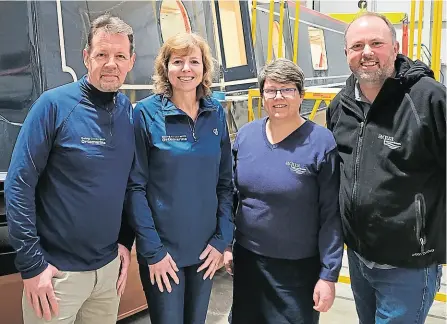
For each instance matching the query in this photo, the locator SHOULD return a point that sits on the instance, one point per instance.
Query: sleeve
(438, 123)
(28, 161)
(330, 236)
(136, 205)
(331, 112)
(126, 235)
(224, 231)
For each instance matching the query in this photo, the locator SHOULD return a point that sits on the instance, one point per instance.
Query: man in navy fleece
(66, 184)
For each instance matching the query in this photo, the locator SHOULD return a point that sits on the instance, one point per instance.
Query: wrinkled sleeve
(330, 237)
(438, 124)
(28, 161)
(148, 241)
(224, 231)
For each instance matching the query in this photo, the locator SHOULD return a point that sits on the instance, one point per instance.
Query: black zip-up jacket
(393, 174)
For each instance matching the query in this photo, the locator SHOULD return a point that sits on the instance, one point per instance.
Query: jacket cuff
(218, 244)
(329, 275)
(157, 257)
(34, 272)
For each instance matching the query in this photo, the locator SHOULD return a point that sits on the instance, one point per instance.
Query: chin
(109, 87)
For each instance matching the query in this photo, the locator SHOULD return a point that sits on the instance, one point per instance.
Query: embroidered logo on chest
(215, 131)
(389, 142)
(93, 140)
(296, 168)
(175, 138)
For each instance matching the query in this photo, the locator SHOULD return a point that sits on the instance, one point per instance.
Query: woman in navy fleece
(180, 191)
(288, 241)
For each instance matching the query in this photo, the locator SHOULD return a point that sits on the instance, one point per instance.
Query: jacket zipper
(356, 170)
(192, 126)
(111, 117)
(420, 220)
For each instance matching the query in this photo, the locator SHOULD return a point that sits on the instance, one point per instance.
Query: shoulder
(250, 131)
(321, 137)
(149, 105)
(123, 99)
(428, 88)
(213, 103)
(59, 99)
(62, 94)
(252, 126)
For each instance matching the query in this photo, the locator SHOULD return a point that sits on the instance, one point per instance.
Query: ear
(396, 47)
(85, 56)
(346, 52)
(132, 61)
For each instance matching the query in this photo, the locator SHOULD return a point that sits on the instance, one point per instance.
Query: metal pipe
(270, 36)
(438, 42)
(253, 22)
(434, 36)
(281, 27)
(412, 19)
(295, 33)
(420, 24)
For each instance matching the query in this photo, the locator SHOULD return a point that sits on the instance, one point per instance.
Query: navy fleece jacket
(180, 192)
(66, 182)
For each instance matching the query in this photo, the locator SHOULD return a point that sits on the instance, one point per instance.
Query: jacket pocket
(420, 220)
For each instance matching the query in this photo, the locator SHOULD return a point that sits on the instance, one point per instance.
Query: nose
(186, 67)
(111, 61)
(367, 50)
(278, 95)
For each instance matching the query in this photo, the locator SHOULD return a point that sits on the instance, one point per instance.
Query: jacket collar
(168, 107)
(96, 96)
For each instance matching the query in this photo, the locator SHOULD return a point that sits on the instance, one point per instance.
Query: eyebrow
(181, 57)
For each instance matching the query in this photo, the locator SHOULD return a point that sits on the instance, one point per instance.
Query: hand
(124, 255)
(228, 260)
(214, 260)
(158, 272)
(324, 295)
(39, 292)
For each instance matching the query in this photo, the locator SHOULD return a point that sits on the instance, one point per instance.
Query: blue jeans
(392, 296)
(186, 304)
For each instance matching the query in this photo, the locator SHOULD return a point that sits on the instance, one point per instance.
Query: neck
(278, 130)
(187, 102)
(370, 90)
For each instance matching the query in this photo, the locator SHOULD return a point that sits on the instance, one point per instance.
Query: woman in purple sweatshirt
(288, 242)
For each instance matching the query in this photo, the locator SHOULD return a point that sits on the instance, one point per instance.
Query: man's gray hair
(374, 14)
(282, 70)
(112, 25)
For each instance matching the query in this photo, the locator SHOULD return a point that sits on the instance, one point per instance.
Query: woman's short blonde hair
(182, 44)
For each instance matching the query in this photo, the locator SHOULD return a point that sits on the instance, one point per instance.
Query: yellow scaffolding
(436, 39)
(393, 17)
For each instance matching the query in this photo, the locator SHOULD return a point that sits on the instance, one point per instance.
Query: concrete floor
(342, 312)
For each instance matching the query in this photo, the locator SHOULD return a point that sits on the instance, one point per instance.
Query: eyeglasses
(285, 92)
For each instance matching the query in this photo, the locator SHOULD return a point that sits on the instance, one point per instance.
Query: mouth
(109, 76)
(279, 106)
(368, 64)
(185, 79)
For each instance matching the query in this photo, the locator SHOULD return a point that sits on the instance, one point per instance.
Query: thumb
(54, 270)
(316, 298)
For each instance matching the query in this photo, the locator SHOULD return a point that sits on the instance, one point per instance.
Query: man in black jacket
(390, 127)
